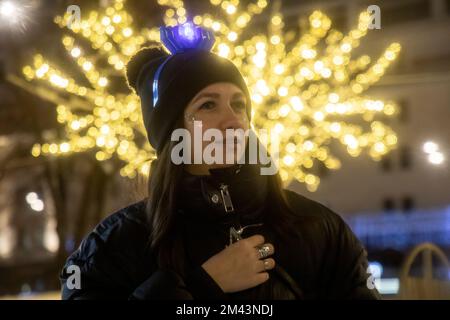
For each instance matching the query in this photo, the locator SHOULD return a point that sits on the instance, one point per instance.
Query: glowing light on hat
(178, 39)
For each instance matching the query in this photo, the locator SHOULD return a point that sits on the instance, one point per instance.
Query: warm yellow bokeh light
(308, 96)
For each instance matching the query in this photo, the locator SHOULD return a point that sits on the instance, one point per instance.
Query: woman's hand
(239, 266)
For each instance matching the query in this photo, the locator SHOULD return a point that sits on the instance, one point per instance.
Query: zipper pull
(236, 235)
(226, 199)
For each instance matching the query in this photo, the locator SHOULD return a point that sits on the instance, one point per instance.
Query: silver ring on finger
(264, 251)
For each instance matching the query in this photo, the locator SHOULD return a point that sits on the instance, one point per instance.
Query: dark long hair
(165, 239)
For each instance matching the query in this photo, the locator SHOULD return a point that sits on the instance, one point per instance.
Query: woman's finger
(255, 240)
(266, 264)
(259, 278)
(270, 251)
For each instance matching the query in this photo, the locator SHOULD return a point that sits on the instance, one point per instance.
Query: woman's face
(218, 106)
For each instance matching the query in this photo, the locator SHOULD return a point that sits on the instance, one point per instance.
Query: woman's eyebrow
(207, 95)
(217, 95)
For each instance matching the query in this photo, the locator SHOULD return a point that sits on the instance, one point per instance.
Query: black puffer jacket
(325, 260)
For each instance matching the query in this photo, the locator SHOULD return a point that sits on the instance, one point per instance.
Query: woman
(212, 231)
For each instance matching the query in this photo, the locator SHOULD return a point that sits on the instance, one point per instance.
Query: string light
(306, 96)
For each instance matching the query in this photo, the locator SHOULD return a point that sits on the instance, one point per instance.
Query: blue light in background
(399, 230)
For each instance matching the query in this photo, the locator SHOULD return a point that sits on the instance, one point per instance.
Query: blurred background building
(404, 199)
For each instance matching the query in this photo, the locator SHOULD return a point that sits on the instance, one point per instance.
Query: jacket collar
(238, 191)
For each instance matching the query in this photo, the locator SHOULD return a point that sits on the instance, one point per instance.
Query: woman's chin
(218, 166)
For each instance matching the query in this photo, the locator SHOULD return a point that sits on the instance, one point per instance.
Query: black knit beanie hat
(181, 78)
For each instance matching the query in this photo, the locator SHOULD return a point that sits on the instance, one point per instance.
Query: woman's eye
(207, 105)
(239, 105)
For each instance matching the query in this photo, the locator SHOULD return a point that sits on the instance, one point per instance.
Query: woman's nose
(231, 119)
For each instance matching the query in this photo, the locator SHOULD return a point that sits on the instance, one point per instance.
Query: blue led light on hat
(179, 39)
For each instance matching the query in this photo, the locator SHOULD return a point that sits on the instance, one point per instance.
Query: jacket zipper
(226, 199)
(235, 234)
